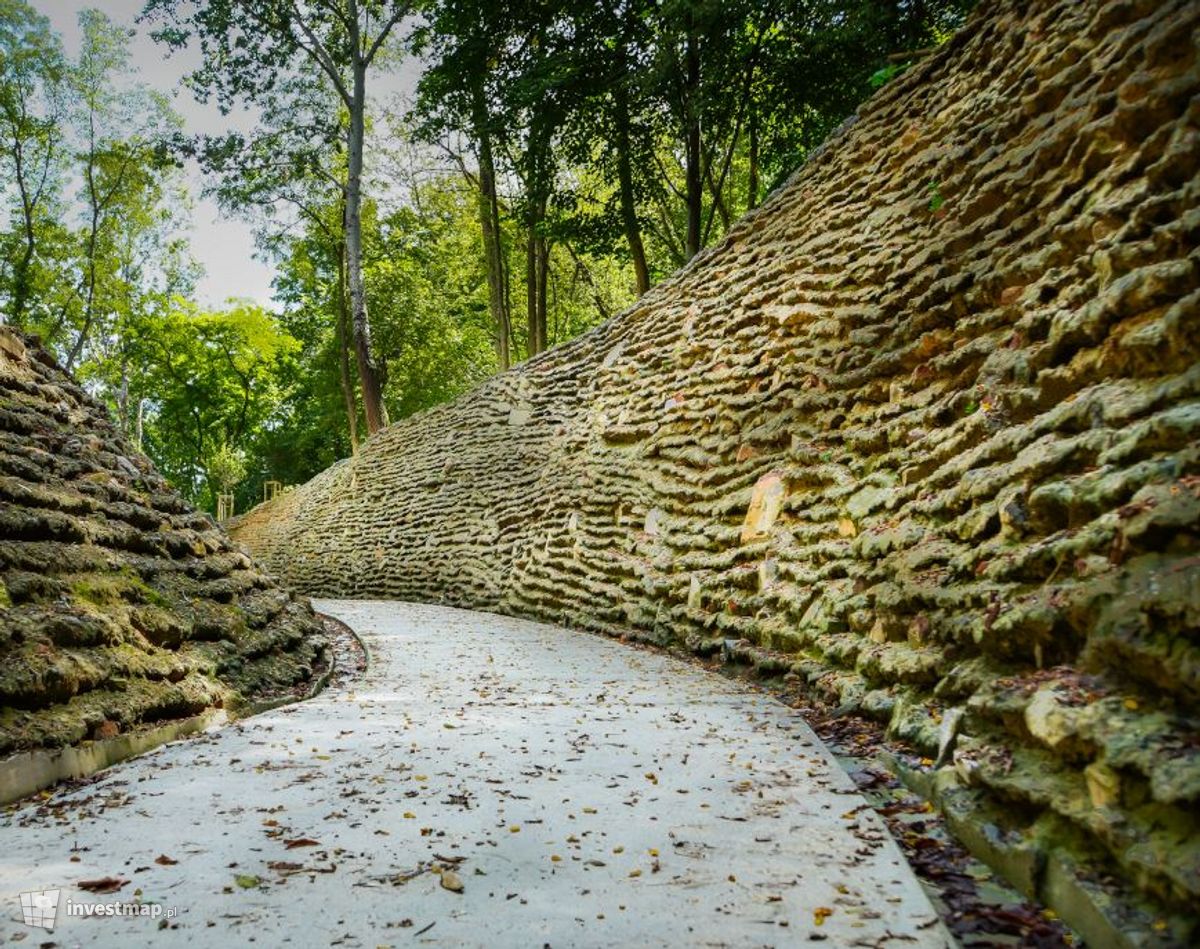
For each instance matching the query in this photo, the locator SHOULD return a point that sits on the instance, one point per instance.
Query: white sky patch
(222, 243)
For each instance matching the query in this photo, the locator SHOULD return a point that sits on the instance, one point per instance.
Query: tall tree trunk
(123, 399)
(629, 218)
(538, 185)
(368, 371)
(543, 282)
(21, 279)
(89, 312)
(590, 280)
(489, 224)
(695, 183)
(532, 257)
(343, 345)
(537, 265)
(752, 177)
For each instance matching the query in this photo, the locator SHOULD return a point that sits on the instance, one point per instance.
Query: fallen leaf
(102, 885)
(164, 861)
(301, 842)
(451, 881)
(247, 881)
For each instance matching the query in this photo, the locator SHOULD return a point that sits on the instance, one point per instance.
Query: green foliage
(211, 382)
(881, 77)
(227, 468)
(936, 199)
(616, 140)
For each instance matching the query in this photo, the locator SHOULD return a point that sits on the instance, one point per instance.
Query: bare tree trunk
(543, 252)
(368, 371)
(752, 177)
(629, 218)
(89, 313)
(714, 188)
(123, 399)
(590, 280)
(537, 263)
(21, 276)
(343, 355)
(695, 184)
(531, 290)
(489, 223)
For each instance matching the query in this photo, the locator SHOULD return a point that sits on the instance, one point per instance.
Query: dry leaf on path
(102, 885)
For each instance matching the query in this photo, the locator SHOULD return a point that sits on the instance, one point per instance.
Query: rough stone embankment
(120, 604)
(921, 431)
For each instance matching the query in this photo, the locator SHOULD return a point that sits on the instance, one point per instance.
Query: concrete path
(488, 782)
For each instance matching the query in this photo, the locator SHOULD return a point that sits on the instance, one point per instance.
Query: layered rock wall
(922, 430)
(121, 606)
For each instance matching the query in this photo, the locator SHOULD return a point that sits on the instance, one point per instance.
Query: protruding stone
(765, 504)
(1103, 784)
(1047, 720)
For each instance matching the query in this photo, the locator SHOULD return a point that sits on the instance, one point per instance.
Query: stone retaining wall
(921, 430)
(121, 606)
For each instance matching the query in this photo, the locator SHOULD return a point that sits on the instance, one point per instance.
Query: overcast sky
(224, 245)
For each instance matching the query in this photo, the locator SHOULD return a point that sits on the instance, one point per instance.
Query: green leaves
(882, 77)
(936, 199)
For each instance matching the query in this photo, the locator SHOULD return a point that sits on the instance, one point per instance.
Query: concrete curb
(27, 772)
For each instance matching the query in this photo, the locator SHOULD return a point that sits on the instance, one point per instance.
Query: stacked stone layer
(923, 430)
(120, 604)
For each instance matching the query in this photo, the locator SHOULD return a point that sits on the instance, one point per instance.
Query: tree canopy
(549, 163)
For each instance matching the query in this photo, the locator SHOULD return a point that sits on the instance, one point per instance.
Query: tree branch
(319, 54)
(396, 17)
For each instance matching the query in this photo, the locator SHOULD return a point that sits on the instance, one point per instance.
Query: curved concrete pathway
(579, 792)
